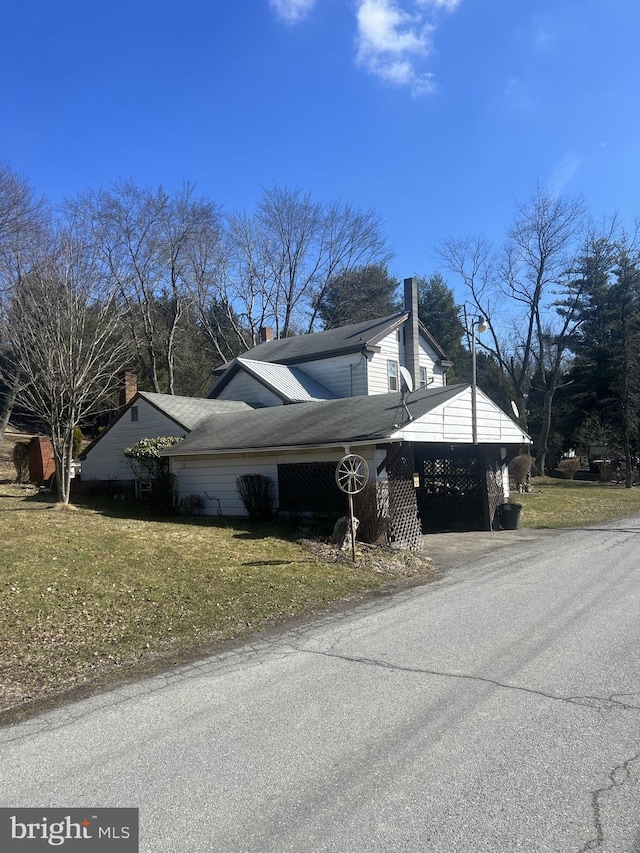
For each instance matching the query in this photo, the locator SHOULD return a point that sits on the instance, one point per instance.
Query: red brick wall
(42, 465)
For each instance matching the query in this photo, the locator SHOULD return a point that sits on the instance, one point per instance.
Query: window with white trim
(392, 375)
(423, 377)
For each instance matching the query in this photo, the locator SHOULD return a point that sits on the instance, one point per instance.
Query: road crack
(617, 777)
(598, 703)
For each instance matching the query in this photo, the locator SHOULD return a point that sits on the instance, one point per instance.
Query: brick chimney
(128, 388)
(412, 330)
(266, 334)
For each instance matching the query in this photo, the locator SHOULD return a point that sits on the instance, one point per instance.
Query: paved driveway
(452, 550)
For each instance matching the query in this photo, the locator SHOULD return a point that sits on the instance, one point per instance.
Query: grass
(575, 503)
(88, 595)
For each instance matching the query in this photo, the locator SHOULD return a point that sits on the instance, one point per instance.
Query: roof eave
(279, 448)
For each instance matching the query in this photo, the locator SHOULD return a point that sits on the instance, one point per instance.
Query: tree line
(169, 285)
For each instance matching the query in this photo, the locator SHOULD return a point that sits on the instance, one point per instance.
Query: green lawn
(88, 593)
(575, 503)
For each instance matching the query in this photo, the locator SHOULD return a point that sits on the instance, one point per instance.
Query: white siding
(451, 422)
(392, 349)
(344, 375)
(247, 388)
(436, 376)
(378, 377)
(105, 461)
(214, 477)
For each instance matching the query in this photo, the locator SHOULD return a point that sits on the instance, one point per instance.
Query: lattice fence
(452, 493)
(310, 487)
(495, 485)
(405, 528)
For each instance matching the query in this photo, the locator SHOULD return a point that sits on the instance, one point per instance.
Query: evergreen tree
(603, 380)
(357, 295)
(439, 313)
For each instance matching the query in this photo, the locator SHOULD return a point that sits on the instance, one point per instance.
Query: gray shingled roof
(341, 421)
(185, 411)
(189, 411)
(323, 344)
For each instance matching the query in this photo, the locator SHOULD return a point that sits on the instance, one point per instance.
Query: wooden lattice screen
(405, 528)
(495, 485)
(452, 494)
(310, 487)
(460, 489)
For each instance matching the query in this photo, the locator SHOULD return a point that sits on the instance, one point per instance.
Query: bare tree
(153, 246)
(23, 233)
(518, 289)
(64, 337)
(283, 258)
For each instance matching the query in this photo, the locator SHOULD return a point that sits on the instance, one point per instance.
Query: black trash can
(510, 516)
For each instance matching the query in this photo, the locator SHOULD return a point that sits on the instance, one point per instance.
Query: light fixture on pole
(479, 324)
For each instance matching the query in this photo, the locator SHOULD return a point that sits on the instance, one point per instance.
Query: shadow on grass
(257, 563)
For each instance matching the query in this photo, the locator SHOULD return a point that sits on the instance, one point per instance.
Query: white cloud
(292, 11)
(448, 5)
(392, 41)
(563, 173)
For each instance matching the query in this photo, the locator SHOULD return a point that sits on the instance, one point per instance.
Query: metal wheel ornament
(352, 473)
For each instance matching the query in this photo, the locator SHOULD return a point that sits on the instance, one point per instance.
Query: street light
(479, 324)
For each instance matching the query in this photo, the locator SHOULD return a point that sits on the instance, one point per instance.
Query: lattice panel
(452, 494)
(405, 528)
(495, 486)
(310, 487)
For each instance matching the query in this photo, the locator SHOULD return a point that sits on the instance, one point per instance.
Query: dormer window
(392, 374)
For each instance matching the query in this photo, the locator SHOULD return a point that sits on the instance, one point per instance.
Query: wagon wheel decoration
(352, 473)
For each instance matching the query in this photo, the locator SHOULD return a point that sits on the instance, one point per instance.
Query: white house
(291, 408)
(350, 361)
(420, 445)
(145, 415)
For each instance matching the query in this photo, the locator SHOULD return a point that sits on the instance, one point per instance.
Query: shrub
(370, 506)
(257, 494)
(144, 457)
(21, 460)
(148, 466)
(192, 505)
(568, 468)
(165, 494)
(78, 438)
(519, 468)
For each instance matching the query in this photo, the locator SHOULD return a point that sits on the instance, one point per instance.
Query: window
(392, 373)
(134, 414)
(423, 377)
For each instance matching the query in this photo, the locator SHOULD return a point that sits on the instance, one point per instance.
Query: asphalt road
(497, 709)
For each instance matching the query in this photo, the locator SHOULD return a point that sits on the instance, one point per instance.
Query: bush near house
(569, 467)
(150, 468)
(21, 461)
(519, 468)
(257, 494)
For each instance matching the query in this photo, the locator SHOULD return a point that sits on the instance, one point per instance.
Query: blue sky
(437, 113)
